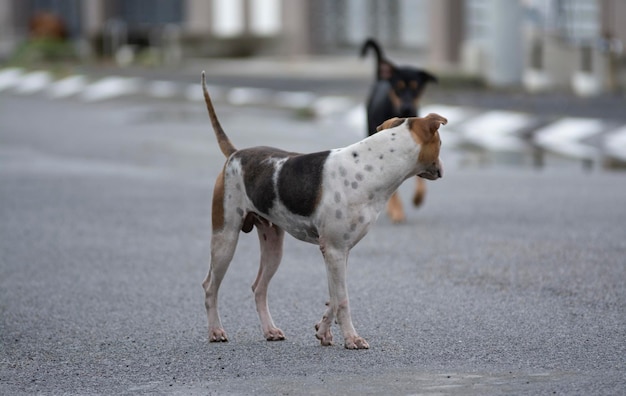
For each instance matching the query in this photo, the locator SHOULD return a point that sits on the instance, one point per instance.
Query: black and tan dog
(395, 93)
(329, 198)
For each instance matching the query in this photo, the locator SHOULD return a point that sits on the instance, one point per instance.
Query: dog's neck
(389, 157)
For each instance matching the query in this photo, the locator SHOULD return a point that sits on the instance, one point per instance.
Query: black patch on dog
(258, 170)
(300, 182)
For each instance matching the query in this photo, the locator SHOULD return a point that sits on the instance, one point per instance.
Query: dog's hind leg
(271, 242)
(223, 246)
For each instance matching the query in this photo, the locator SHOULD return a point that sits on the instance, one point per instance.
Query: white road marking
(241, 96)
(294, 100)
(563, 137)
(10, 77)
(33, 82)
(111, 87)
(162, 89)
(615, 143)
(496, 130)
(67, 87)
(328, 105)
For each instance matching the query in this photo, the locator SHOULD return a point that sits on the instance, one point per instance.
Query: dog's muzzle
(433, 172)
(407, 111)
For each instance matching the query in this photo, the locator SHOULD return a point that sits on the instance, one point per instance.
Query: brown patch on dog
(395, 100)
(217, 213)
(420, 191)
(390, 123)
(394, 209)
(429, 152)
(425, 132)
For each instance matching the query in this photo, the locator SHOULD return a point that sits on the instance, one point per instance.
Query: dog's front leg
(336, 260)
(322, 329)
(394, 208)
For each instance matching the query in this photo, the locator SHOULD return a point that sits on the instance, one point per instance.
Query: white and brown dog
(329, 198)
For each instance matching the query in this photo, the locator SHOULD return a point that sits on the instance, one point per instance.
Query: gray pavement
(507, 281)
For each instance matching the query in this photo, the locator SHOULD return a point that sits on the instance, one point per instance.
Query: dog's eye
(413, 84)
(400, 85)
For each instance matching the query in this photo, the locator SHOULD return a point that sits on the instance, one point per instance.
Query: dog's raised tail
(382, 64)
(371, 43)
(222, 140)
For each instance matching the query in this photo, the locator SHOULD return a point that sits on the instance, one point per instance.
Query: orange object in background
(47, 25)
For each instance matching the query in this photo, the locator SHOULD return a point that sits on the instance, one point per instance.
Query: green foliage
(43, 52)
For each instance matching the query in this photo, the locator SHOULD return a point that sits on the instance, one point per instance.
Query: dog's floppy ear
(435, 121)
(426, 77)
(425, 129)
(390, 123)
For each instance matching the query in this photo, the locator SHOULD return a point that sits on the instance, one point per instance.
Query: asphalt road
(507, 281)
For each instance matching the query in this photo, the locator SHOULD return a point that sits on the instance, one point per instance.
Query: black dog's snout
(407, 111)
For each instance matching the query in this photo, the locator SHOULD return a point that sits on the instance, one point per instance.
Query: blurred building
(541, 44)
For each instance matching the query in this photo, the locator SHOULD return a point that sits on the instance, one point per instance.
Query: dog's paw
(397, 218)
(356, 342)
(418, 198)
(274, 334)
(217, 335)
(396, 215)
(326, 338)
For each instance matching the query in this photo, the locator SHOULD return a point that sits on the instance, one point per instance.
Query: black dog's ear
(427, 77)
